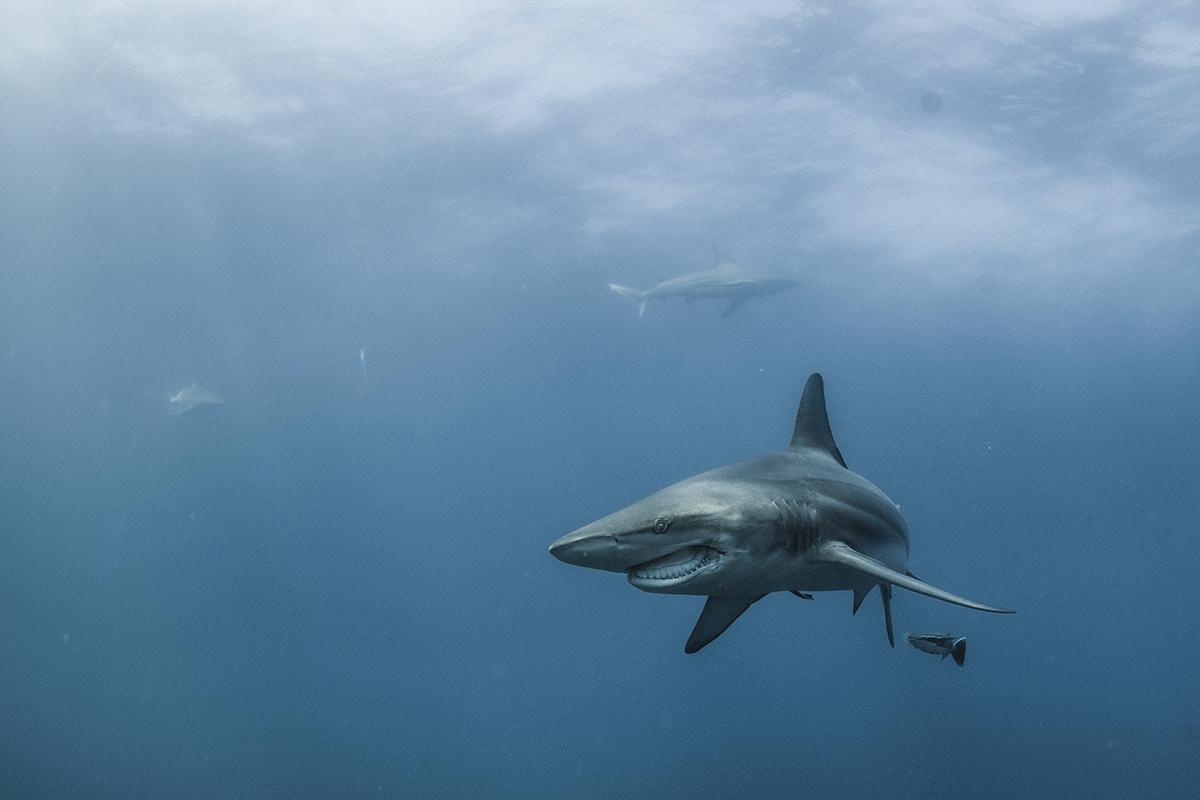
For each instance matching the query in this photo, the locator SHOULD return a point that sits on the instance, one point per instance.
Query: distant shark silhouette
(195, 399)
(793, 521)
(725, 280)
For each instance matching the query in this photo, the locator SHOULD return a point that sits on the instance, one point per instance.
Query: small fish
(195, 400)
(940, 645)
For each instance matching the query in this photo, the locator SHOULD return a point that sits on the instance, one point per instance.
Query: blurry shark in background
(195, 399)
(940, 645)
(725, 280)
(793, 521)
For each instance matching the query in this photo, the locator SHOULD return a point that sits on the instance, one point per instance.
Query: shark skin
(726, 281)
(793, 521)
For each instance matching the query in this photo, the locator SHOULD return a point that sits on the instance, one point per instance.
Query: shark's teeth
(677, 565)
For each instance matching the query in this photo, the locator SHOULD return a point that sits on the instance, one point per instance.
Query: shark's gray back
(720, 281)
(845, 505)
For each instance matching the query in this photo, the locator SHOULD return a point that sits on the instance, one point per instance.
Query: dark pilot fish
(940, 645)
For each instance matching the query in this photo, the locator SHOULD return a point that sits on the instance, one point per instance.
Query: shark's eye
(660, 525)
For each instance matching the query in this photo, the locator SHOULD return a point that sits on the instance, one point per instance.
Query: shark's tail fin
(632, 295)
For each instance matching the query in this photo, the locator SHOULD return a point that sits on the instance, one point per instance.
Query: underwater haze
(308, 353)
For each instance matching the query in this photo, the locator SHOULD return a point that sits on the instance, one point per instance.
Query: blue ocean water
(383, 236)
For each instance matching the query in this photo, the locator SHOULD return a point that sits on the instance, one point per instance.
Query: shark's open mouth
(677, 565)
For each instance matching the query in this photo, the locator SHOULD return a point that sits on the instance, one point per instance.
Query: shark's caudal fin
(812, 421)
(842, 554)
(723, 259)
(718, 614)
(632, 295)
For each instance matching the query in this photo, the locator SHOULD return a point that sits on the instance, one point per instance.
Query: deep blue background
(337, 585)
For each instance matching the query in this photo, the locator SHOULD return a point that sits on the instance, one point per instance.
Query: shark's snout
(655, 565)
(587, 548)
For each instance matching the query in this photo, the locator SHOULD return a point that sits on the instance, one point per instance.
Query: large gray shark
(794, 521)
(725, 280)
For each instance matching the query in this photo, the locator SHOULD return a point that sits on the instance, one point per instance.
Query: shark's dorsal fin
(718, 614)
(723, 259)
(812, 421)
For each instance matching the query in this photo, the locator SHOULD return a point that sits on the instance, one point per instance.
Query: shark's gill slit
(679, 564)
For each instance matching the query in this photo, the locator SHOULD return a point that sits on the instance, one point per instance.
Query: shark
(194, 400)
(797, 521)
(725, 280)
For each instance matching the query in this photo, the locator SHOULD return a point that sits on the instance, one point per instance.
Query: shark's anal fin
(860, 594)
(885, 591)
(718, 614)
(834, 552)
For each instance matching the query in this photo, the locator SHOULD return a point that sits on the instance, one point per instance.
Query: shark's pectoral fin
(733, 306)
(718, 614)
(802, 595)
(846, 556)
